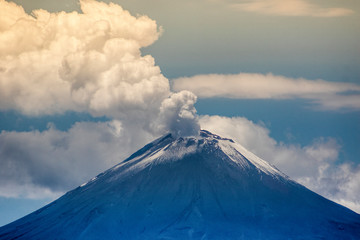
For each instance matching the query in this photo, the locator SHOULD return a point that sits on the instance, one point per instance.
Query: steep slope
(189, 188)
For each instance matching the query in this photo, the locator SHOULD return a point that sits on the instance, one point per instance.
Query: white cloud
(327, 95)
(45, 164)
(87, 62)
(342, 184)
(90, 61)
(288, 8)
(316, 165)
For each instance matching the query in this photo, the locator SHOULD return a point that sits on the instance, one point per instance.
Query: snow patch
(236, 152)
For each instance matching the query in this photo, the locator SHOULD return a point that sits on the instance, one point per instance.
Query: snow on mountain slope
(204, 187)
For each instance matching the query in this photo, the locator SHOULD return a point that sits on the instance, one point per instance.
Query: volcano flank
(204, 187)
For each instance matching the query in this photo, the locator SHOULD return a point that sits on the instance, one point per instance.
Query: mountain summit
(204, 187)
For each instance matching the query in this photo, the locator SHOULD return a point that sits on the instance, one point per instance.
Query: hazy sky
(281, 77)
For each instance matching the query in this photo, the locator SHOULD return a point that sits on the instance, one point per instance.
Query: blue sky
(303, 117)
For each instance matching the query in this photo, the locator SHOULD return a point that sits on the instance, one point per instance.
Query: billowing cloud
(327, 95)
(288, 8)
(87, 62)
(45, 164)
(316, 165)
(90, 61)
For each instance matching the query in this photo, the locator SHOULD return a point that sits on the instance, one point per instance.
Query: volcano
(204, 187)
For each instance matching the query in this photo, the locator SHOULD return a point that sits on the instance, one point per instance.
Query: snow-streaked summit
(203, 187)
(170, 149)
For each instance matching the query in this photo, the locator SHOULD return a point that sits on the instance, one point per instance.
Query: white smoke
(86, 62)
(178, 115)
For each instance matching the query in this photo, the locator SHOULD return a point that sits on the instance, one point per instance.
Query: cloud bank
(316, 165)
(46, 164)
(327, 95)
(288, 8)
